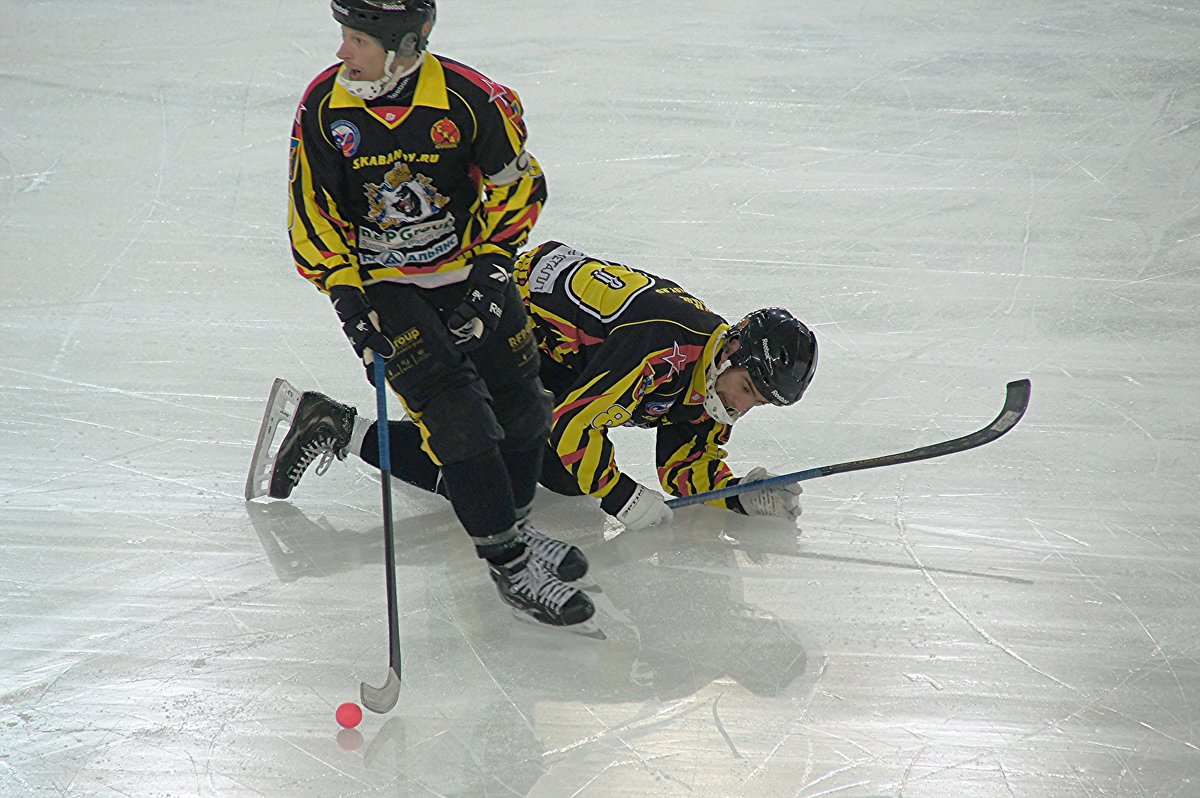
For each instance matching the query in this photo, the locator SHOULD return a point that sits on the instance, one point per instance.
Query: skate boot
(530, 589)
(320, 426)
(561, 559)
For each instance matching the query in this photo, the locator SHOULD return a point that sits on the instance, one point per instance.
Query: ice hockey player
(410, 193)
(618, 346)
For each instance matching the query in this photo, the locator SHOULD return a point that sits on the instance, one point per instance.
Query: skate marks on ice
(683, 642)
(692, 653)
(689, 654)
(944, 596)
(639, 575)
(759, 538)
(298, 546)
(526, 703)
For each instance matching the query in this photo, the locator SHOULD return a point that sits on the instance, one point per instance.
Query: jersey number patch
(604, 290)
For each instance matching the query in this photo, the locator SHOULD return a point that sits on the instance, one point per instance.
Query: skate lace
(540, 585)
(317, 446)
(548, 550)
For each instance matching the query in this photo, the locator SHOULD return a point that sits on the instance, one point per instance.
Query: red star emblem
(676, 359)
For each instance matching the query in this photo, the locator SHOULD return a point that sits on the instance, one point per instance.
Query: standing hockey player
(410, 193)
(620, 346)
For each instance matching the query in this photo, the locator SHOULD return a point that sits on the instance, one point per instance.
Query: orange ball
(349, 715)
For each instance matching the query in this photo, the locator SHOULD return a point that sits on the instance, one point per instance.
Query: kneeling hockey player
(618, 346)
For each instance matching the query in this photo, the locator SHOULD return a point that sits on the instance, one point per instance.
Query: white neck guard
(370, 89)
(712, 403)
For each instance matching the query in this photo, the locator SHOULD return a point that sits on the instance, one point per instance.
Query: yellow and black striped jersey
(409, 186)
(624, 347)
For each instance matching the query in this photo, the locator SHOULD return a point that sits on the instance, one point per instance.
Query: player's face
(363, 56)
(737, 392)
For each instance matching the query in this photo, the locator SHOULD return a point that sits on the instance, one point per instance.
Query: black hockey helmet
(779, 352)
(399, 25)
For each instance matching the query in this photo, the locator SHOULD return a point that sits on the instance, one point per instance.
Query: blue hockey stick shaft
(385, 444)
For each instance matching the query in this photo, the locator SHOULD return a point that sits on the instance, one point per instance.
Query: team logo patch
(402, 198)
(657, 408)
(445, 133)
(346, 136)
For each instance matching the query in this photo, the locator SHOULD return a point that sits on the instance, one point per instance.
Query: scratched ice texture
(953, 194)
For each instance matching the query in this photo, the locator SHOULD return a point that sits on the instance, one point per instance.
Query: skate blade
(587, 584)
(281, 408)
(589, 628)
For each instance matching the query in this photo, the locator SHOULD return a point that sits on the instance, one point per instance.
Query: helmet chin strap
(370, 89)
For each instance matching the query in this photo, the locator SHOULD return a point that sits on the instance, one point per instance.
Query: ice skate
(280, 410)
(535, 593)
(320, 426)
(563, 560)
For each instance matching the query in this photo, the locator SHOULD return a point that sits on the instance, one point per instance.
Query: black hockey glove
(361, 325)
(481, 309)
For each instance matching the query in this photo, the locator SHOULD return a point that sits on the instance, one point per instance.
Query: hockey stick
(1015, 403)
(382, 699)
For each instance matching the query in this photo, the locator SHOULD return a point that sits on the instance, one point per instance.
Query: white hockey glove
(781, 501)
(645, 508)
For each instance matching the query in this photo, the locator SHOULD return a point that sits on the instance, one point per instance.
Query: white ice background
(954, 194)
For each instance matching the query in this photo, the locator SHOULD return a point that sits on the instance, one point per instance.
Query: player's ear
(407, 46)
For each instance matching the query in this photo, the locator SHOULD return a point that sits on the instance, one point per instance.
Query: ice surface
(954, 194)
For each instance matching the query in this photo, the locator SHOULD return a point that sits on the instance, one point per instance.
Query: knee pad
(459, 424)
(525, 412)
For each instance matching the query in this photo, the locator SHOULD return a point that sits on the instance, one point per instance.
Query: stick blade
(381, 699)
(1016, 402)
